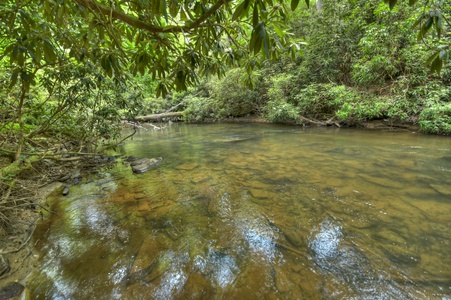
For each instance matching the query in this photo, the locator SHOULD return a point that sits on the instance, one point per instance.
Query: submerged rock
(11, 290)
(4, 264)
(66, 190)
(443, 189)
(187, 166)
(144, 164)
(131, 158)
(147, 254)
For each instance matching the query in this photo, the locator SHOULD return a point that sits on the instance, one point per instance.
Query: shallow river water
(256, 211)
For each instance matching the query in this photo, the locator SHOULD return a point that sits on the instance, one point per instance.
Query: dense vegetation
(73, 71)
(361, 61)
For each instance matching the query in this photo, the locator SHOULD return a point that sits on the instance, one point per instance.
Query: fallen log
(158, 117)
(320, 123)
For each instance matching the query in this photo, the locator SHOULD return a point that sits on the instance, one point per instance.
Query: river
(256, 211)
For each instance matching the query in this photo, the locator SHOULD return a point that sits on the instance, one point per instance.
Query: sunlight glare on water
(256, 211)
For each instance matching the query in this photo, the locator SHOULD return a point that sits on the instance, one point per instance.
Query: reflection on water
(257, 211)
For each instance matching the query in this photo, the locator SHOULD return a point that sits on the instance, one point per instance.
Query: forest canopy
(174, 41)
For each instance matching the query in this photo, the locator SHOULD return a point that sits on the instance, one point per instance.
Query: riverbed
(256, 211)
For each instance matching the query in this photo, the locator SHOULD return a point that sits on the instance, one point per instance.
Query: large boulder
(142, 165)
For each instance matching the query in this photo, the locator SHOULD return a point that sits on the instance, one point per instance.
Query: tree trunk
(21, 139)
(158, 117)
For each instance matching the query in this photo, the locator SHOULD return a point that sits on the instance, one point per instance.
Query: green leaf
(38, 55)
(428, 23)
(155, 7)
(258, 45)
(391, 3)
(238, 12)
(437, 65)
(261, 38)
(425, 28)
(266, 45)
(307, 2)
(252, 41)
(295, 3)
(174, 8)
(25, 77)
(418, 21)
(438, 21)
(8, 49)
(14, 54)
(32, 55)
(255, 16)
(106, 65)
(246, 4)
(412, 2)
(49, 53)
(163, 10)
(13, 79)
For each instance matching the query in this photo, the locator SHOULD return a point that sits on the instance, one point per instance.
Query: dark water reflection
(257, 212)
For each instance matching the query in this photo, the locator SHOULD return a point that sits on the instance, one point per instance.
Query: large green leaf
(49, 51)
(255, 15)
(238, 11)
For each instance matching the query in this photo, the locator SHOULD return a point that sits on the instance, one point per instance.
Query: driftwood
(158, 117)
(320, 123)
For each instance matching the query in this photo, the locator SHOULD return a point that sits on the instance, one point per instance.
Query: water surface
(257, 211)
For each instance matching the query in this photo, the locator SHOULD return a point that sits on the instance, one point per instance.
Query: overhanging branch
(137, 23)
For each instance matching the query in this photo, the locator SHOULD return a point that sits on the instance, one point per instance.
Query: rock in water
(11, 290)
(144, 164)
(66, 190)
(4, 264)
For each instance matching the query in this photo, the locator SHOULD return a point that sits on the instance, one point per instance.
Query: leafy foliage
(436, 119)
(221, 98)
(281, 111)
(362, 63)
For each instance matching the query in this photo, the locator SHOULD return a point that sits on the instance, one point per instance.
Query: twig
(27, 240)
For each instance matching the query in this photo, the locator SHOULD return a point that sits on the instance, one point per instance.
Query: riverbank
(383, 125)
(376, 124)
(426, 106)
(31, 192)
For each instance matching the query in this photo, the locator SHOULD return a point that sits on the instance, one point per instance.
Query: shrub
(436, 119)
(233, 97)
(281, 111)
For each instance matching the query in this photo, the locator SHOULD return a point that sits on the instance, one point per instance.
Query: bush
(436, 119)
(320, 101)
(233, 97)
(281, 87)
(281, 111)
(222, 98)
(199, 109)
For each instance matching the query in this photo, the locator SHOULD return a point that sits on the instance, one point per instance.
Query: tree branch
(137, 23)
